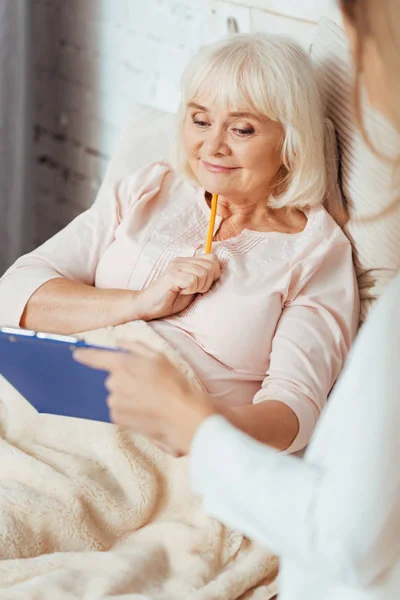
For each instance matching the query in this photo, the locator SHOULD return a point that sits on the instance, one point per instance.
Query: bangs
(230, 79)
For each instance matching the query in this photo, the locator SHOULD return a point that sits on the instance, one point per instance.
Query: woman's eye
(201, 124)
(244, 132)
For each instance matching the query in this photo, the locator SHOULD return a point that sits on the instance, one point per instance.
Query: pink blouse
(277, 325)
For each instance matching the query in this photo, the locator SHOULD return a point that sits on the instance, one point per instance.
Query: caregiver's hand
(149, 395)
(176, 288)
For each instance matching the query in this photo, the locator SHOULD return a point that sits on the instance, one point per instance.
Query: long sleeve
(75, 251)
(312, 340)
(338, 512)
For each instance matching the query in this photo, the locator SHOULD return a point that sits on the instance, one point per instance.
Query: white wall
(295, 18)
(94, 58)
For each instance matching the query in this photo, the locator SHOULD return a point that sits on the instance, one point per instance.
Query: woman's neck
(242, 213)
(241, 209)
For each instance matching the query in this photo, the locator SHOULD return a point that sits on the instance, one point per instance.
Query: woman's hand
(177, 287)
(149, 395)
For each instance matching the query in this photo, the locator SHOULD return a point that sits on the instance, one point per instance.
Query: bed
(100, 513)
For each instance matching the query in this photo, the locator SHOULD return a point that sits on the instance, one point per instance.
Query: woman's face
(232, 153)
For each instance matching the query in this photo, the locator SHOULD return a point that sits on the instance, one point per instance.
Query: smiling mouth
(218, 168)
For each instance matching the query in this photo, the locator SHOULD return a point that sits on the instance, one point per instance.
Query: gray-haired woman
(267, 320)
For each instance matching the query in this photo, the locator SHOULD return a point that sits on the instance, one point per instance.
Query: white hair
(273, 76)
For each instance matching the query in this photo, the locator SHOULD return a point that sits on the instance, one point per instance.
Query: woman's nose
(216, 142)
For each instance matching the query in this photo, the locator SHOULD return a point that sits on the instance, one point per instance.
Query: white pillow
(366, 181)
(145, 137)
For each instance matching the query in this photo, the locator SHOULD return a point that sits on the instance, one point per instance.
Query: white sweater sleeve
(337, 512)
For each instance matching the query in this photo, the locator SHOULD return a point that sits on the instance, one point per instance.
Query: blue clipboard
(41, 367)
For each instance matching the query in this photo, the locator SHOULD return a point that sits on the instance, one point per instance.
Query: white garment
(334, 517)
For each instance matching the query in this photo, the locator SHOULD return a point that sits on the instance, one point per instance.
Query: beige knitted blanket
(90, 512)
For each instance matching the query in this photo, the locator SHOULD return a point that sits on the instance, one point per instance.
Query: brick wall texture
(92, 59)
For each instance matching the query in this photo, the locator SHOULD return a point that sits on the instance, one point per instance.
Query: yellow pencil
(213, 213)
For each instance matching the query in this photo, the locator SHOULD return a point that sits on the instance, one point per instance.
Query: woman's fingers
(209, 261)
(207, 270)
(176, 288)
(199, 273)
(140, 423)
(117, 361)
(137, 347)
(120, 381)
(127, 405)
(184, 283)
(103, 360)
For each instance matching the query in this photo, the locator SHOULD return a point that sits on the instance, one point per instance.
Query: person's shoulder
(323, 248)
(146, 176)
(326, 227)
(148, 180)
(154, 180)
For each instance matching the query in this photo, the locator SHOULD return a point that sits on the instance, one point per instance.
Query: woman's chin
(219, 190)
(214, 185)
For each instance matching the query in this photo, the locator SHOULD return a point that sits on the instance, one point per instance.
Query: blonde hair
(274, 77)
(380, 21)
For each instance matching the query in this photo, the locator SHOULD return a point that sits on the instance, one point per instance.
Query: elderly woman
(266, 321)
